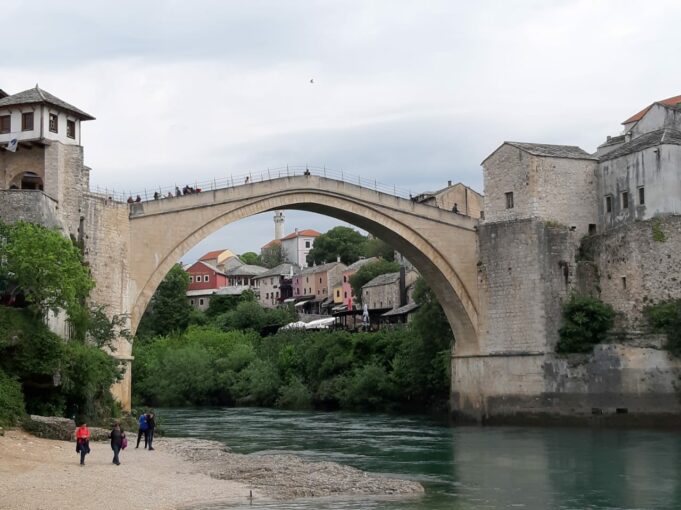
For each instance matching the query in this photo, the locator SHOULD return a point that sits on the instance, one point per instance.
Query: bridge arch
(440, 244)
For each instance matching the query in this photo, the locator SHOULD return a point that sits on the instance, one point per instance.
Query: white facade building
(297, 245)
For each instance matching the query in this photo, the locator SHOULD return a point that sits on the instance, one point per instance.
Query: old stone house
(276, 285)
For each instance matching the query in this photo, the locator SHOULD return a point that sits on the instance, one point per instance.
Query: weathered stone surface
(50, 427)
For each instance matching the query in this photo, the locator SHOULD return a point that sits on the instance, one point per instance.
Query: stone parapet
(32, 206)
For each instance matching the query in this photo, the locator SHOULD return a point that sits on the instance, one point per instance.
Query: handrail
(270, 174)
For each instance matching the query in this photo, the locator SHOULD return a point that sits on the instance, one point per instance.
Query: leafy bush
(586, 322)
(11, 400)
(665, 317)
(294, 395)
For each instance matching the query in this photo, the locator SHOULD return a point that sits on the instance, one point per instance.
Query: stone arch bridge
(442, 245)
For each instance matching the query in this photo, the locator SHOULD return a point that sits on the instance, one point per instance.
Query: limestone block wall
(635, 269)
(559, 190)
(14, 163)
(525, 273)
(106, 240)
(32, 206)
(67, 181)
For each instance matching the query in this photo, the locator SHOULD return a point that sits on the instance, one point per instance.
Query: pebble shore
(44, 474)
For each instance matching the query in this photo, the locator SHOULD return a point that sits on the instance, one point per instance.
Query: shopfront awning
(301, 303)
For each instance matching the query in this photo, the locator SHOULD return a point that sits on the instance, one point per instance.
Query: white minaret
(278, 224)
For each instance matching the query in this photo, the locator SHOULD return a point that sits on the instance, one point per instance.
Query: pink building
(347, 297)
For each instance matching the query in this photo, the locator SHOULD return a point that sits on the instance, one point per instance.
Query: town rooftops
(308, 232)
(284, 269)
(670, 101)
(216, 254)
(547, 150)
(209, 266)
(246, 270)
(382, 279)
(361, 262)
(38, 96)
(660, 137)
(272, 243)
(321, 268)
(402, 310)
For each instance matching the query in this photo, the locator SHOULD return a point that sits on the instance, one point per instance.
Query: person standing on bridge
(138, 198)
(178, 193)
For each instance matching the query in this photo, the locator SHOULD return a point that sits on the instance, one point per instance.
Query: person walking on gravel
(118, 442)
(143, 429)
(82, 442)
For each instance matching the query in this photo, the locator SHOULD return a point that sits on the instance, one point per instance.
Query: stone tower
(278, 224)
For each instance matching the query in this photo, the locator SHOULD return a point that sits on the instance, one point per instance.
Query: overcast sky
(411, 93)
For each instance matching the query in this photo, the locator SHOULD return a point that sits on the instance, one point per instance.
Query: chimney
(449, 183)
(403, 286)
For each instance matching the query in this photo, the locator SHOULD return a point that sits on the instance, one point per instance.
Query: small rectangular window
(641, 196)
(608, 203)
(5, 124)
(200, 302)
(307, 244)
(54, 124)
(71, 128)
(509, 200)
(27, 121)
(625, 200)
(191, 279)
(205, 277)
(191, 301)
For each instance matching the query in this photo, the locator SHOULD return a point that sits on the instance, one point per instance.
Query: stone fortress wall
(557, 237)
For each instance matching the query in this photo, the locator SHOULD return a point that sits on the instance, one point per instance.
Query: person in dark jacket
(143, 429)
(151, 426)
(117, 436)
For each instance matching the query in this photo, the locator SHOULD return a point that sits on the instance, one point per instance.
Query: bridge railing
(233, 180)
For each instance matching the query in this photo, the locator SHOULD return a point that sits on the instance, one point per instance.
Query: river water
(461, 468)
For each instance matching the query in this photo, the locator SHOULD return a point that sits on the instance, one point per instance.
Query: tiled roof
(281, 270)
(37, 95)
(247, 270)
(212, 255)
(209, 266)
(321, 268)
(652, 139)
(272, 243)
(308, 232)
(382, 279)
(670, 101)
(361, 262)
(401, 310)
(553, 151)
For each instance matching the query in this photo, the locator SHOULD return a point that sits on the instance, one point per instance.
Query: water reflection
(461, 468)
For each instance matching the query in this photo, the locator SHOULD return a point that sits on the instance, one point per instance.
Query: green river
(460, 467)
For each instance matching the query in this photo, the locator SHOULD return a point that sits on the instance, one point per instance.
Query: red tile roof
(671, 101)
(273, 242)
(212, 255)
(308, 232)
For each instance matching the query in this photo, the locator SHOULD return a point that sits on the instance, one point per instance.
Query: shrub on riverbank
(665, 317)
(586, 322)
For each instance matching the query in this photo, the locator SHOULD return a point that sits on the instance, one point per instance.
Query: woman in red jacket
(82, 442)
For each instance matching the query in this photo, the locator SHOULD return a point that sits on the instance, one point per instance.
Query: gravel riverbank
(44, 474)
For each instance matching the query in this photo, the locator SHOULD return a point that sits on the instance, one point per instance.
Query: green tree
(665, 317)
(43, 266)
(169, 309)
(379, 249)
(220, 304)
(586, 322)
(368, 272)
(272, 256)
(250, 257)
(343, 242)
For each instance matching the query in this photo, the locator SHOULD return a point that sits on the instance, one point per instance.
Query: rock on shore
(286, 476)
